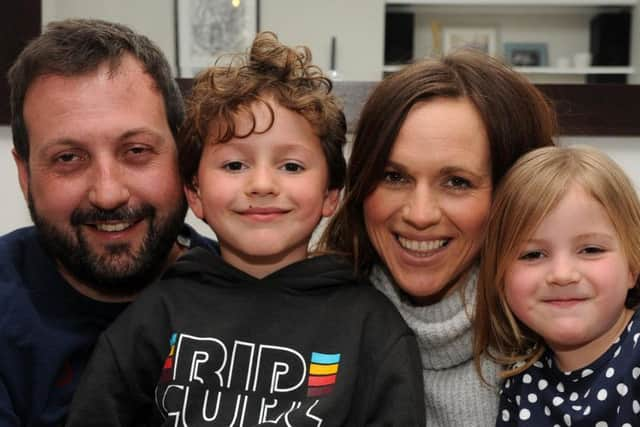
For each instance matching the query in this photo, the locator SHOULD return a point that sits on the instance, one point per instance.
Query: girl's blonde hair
(530, 190)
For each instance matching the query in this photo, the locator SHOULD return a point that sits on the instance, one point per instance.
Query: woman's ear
(192, 193)
(330, 203)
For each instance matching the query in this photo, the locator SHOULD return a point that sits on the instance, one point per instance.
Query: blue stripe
(325, 359)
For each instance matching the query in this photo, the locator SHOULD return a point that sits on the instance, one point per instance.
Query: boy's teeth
(421, 245)
(113, 227)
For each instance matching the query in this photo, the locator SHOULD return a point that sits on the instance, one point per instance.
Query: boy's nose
(262, 182)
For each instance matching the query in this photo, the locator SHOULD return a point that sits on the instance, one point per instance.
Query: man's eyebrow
(140, 131)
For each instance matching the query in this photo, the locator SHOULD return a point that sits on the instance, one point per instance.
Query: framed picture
(526, 54)
(208, 29)
(480, 38)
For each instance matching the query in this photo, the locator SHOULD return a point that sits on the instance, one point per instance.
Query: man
(95, 112)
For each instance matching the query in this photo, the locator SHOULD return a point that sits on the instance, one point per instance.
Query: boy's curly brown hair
(270, 70)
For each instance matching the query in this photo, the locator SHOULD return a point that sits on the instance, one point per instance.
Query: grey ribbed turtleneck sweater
(454, 393)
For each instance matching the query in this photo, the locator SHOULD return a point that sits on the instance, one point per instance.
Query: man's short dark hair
(77, 46)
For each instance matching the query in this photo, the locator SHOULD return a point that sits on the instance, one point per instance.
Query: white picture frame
(483, 39)
(208, 29)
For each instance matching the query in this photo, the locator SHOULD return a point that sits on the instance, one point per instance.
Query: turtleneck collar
(443, 329)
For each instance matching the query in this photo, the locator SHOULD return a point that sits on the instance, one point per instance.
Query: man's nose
(109, 189)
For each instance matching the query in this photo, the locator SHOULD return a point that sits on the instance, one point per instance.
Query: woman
(432, 143)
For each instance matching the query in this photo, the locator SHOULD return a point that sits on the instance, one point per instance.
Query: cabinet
(550, 38)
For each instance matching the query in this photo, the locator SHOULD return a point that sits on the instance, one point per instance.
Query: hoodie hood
(320, 273)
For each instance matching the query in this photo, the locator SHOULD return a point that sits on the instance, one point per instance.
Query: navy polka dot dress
(604, 394)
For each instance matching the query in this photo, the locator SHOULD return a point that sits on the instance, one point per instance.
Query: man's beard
(121, 271)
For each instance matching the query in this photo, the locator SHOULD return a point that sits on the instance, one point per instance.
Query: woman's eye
(458, 182)
(531, 255)
(292, 167)
(393, 177)
(234, 166)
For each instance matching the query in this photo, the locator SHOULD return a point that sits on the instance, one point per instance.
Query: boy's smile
(264, 194)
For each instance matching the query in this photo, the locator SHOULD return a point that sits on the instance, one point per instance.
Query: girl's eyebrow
(597, 236)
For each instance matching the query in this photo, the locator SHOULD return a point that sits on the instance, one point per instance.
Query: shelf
(575, 71)
(549, 70)
(577, 3)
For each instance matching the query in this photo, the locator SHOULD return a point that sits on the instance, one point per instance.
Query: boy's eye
(531, 255)
(234, 166)
(393, 177)
(292, 167)
(458, 182)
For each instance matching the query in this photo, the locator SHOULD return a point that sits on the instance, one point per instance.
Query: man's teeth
(421, 245)
(113, 227)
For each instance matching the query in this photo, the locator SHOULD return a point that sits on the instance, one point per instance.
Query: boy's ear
(192, 193)
(23, 173)
(330, 203)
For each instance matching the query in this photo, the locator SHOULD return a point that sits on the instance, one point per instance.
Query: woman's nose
(422, 208)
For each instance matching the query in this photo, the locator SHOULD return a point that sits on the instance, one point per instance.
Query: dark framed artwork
(526, 54)
(209, 29)
(20, 22)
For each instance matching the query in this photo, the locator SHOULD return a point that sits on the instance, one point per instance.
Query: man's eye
(292, 167)
(66, 157)
(137, 150)
(234, 166)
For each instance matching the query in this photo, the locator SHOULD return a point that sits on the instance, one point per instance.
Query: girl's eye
(589, 250)
(531, 255)
(393, 177)
(234, 166)
(293, 167)
(458, 182)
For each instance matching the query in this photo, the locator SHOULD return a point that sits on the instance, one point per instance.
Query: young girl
(558, 291)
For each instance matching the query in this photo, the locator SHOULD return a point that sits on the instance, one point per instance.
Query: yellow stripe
(172, 351)
(323, 369)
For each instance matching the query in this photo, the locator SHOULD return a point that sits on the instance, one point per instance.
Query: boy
(264, 333)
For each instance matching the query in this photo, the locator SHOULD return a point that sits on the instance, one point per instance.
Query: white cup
(582, 60)
(562, 62)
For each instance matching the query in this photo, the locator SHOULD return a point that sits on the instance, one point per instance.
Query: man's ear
(330, 203)
(23, 173)
(192, 193)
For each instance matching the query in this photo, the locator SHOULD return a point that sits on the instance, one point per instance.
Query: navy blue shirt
(47, 331)
(605, 393)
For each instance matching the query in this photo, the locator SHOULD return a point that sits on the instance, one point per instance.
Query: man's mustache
(121, 214)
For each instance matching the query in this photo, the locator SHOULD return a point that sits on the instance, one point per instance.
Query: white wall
(358, 26)
(153, 18)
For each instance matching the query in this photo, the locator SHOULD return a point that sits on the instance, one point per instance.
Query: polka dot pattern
(605, 393)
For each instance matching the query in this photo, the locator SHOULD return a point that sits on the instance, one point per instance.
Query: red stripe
(318, 380)
(319, 391)
(168, 363)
